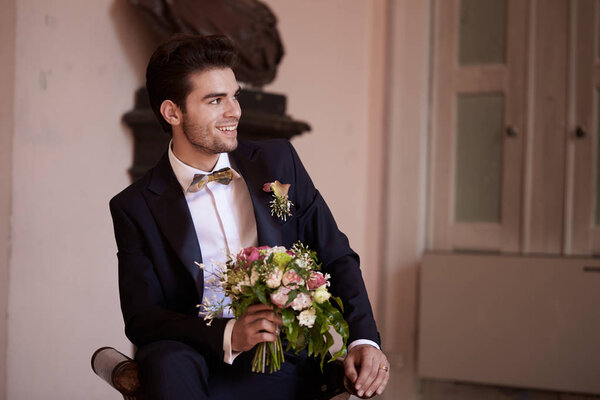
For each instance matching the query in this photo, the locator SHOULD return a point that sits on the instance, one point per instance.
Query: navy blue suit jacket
(159, 283)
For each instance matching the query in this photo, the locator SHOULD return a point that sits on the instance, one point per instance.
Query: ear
(171, 112)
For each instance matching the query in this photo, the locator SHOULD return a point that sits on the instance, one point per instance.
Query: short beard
(212, 147)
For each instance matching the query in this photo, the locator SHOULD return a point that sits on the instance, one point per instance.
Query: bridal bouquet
(290, 282)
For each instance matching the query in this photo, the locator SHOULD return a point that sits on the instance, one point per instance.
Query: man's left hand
(368, 370)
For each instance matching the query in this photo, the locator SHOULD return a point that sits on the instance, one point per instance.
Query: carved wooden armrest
(118, 370)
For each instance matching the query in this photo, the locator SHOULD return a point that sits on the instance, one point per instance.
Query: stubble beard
(203, 139)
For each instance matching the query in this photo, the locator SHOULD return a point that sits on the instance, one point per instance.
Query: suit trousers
(171, 370)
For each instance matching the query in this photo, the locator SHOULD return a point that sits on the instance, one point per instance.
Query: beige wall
(405, 205)
(7, 69)
(77, 66)
(327, 75)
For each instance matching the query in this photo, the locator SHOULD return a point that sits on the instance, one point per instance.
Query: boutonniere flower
(280, 205)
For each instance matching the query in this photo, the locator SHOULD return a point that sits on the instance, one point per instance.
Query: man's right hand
(258, 324)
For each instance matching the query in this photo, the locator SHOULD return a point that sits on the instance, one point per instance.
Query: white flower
(307, 317)
(254, 276)
(321, 295)
(274, 278)
(301, 302)
(237, 289)
(246, 281)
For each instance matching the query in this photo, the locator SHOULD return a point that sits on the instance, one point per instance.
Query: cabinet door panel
(476, 169)
(583, 175)
(482, 32)
(479, 157)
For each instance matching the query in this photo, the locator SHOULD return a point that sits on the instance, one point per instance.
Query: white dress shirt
(224, 221)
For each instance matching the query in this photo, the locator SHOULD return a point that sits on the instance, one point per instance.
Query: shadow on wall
(136, 39)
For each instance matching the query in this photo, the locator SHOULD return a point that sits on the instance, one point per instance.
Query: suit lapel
(167, 203)
(170, 210)
(255, 172)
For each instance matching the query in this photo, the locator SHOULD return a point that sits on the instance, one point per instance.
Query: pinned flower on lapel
(280, 205)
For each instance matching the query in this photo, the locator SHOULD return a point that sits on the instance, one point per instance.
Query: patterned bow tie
(222, 176)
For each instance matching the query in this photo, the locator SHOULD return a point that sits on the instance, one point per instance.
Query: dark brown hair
(176, 59)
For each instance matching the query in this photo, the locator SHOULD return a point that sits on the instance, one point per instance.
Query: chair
(121, 372)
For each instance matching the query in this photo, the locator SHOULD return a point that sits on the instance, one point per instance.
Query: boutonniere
(280, 205)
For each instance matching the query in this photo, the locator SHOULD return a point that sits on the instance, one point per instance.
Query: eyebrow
(213, 95)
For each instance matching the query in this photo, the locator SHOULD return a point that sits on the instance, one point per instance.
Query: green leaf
(260, 294)
(288, 316)
(291, 296)
(301, 341)
(324, 326)
(240, 308)
(340, 353)
(339, 302)
(292, 338)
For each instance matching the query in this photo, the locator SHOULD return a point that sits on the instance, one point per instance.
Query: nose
(233, 109)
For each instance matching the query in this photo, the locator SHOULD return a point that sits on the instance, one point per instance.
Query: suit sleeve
(147, 315)
(317, 229)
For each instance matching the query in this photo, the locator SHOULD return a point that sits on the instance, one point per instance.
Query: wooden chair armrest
(118, 370)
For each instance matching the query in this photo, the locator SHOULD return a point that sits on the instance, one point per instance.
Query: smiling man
(167, 221)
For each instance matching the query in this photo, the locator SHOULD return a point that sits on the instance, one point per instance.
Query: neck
(195, 157)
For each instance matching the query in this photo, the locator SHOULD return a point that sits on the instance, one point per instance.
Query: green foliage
(259, 292)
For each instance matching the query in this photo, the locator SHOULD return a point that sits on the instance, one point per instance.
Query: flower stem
(270, 354)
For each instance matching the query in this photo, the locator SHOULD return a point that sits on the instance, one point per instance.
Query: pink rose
(316, 280)
(291, 278)
(280, 297)
(249, 254)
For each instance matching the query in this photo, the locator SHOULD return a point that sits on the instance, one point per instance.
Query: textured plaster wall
(77, 66)
(7, 66)
(326, 74)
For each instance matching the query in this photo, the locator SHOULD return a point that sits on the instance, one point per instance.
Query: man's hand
(259, 324)
(368, 370)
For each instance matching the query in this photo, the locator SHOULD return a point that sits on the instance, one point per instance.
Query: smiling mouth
(227, 128)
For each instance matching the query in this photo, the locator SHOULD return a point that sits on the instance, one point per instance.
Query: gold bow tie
(222, 176)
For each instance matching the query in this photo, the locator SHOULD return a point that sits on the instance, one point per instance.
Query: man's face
(212, 112)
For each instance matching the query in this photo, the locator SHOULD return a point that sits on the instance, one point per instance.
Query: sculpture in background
(250, 24)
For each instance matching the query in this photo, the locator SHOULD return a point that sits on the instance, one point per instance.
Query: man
(164, 223)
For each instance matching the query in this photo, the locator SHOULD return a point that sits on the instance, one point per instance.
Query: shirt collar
(185, 173)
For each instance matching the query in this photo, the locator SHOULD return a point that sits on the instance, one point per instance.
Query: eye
(215, 101)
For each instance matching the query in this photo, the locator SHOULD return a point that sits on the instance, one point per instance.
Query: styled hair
(176, 59)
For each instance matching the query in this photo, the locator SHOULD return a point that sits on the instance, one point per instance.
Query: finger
(264, 325)
(383, 385)
(268, 314)
(367, 374)
(350, 368)
(376, 384)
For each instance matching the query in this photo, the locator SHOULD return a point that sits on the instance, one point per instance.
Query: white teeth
(227, 128)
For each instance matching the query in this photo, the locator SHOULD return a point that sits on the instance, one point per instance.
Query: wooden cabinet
(514, 127)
